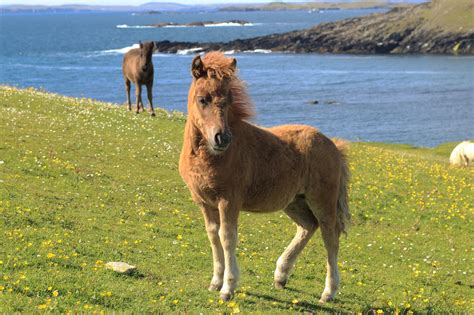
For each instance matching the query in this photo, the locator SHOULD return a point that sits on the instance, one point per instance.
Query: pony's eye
(202, 100)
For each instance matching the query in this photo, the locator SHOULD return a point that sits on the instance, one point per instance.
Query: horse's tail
(343, 214)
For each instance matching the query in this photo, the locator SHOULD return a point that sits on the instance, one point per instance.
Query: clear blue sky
(128, 2)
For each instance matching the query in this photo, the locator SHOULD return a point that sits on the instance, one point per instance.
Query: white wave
(226, 24)
(188, 51)
(134, 26)
(258, 51)
(229, 52)
(120, 50)
(176, 26)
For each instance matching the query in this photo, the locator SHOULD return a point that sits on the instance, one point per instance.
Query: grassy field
(83, 183)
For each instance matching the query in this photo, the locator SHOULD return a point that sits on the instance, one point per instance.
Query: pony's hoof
(214, 287)
(226, 297)
(137, 112)
(153, 114)
(280, 285)
(326, 298)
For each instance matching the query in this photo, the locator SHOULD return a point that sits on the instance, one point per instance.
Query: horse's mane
(218, 66)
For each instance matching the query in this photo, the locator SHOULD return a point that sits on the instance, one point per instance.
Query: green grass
(450, 15)
(83, 183)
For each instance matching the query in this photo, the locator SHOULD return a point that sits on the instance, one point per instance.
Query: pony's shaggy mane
(218, 66)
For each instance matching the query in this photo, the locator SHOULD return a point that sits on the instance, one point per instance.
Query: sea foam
(134, 26)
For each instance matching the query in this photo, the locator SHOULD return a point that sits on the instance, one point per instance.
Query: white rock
(120, 267)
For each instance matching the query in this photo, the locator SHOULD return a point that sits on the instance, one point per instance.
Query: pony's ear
(155, 45)
(197, 67)
(233, 65)
(140, 43)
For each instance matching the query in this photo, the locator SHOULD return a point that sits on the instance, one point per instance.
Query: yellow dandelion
(55, 293)
(179, 237)
(379, 312)
(42, 306)
(241, 295)
(50, 255)
(407, 305)
(175, 302)
(294, 301)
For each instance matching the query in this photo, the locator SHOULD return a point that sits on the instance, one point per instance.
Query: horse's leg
(324, 207)
(138, 94)
(228, 235)
(211, 219)
(306, 222)
(127, 90)
(149, 90)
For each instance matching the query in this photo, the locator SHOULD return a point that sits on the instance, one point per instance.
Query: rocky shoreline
(201, 24)
(399, 31)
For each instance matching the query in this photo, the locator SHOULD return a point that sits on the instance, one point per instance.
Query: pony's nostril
(222, 139)
(218, 139)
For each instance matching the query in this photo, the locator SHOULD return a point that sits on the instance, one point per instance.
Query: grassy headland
(437, 27)
(285, 6)
(83, 183)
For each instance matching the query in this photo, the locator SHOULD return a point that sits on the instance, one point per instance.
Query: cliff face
(440, 27)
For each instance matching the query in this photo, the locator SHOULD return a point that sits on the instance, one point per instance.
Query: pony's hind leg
(306, 223)
(149, 91)
(324, 209)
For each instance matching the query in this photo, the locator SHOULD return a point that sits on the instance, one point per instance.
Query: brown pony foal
(137, 67)
(230, 165)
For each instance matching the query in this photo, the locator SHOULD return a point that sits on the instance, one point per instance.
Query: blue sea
(414, 99)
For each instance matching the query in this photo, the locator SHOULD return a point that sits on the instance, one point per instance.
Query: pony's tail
(343, 214)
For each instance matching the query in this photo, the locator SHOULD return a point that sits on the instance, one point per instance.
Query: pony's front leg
(228, 235)
(138, 94)
(211, 219)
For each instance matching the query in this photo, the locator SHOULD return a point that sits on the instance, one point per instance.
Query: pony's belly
(269, 202)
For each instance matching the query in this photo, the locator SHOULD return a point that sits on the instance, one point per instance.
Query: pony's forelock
(218, 66)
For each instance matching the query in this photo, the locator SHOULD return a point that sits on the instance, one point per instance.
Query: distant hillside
(150, 6)
(439, 27)
(319, 5)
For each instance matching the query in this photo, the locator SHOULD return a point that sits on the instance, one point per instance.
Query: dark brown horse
(231, 165)
(137, 67)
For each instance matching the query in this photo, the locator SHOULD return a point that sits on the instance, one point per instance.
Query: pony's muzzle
(222, 141)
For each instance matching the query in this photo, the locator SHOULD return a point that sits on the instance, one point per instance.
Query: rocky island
(437, 27)
(202, 24)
